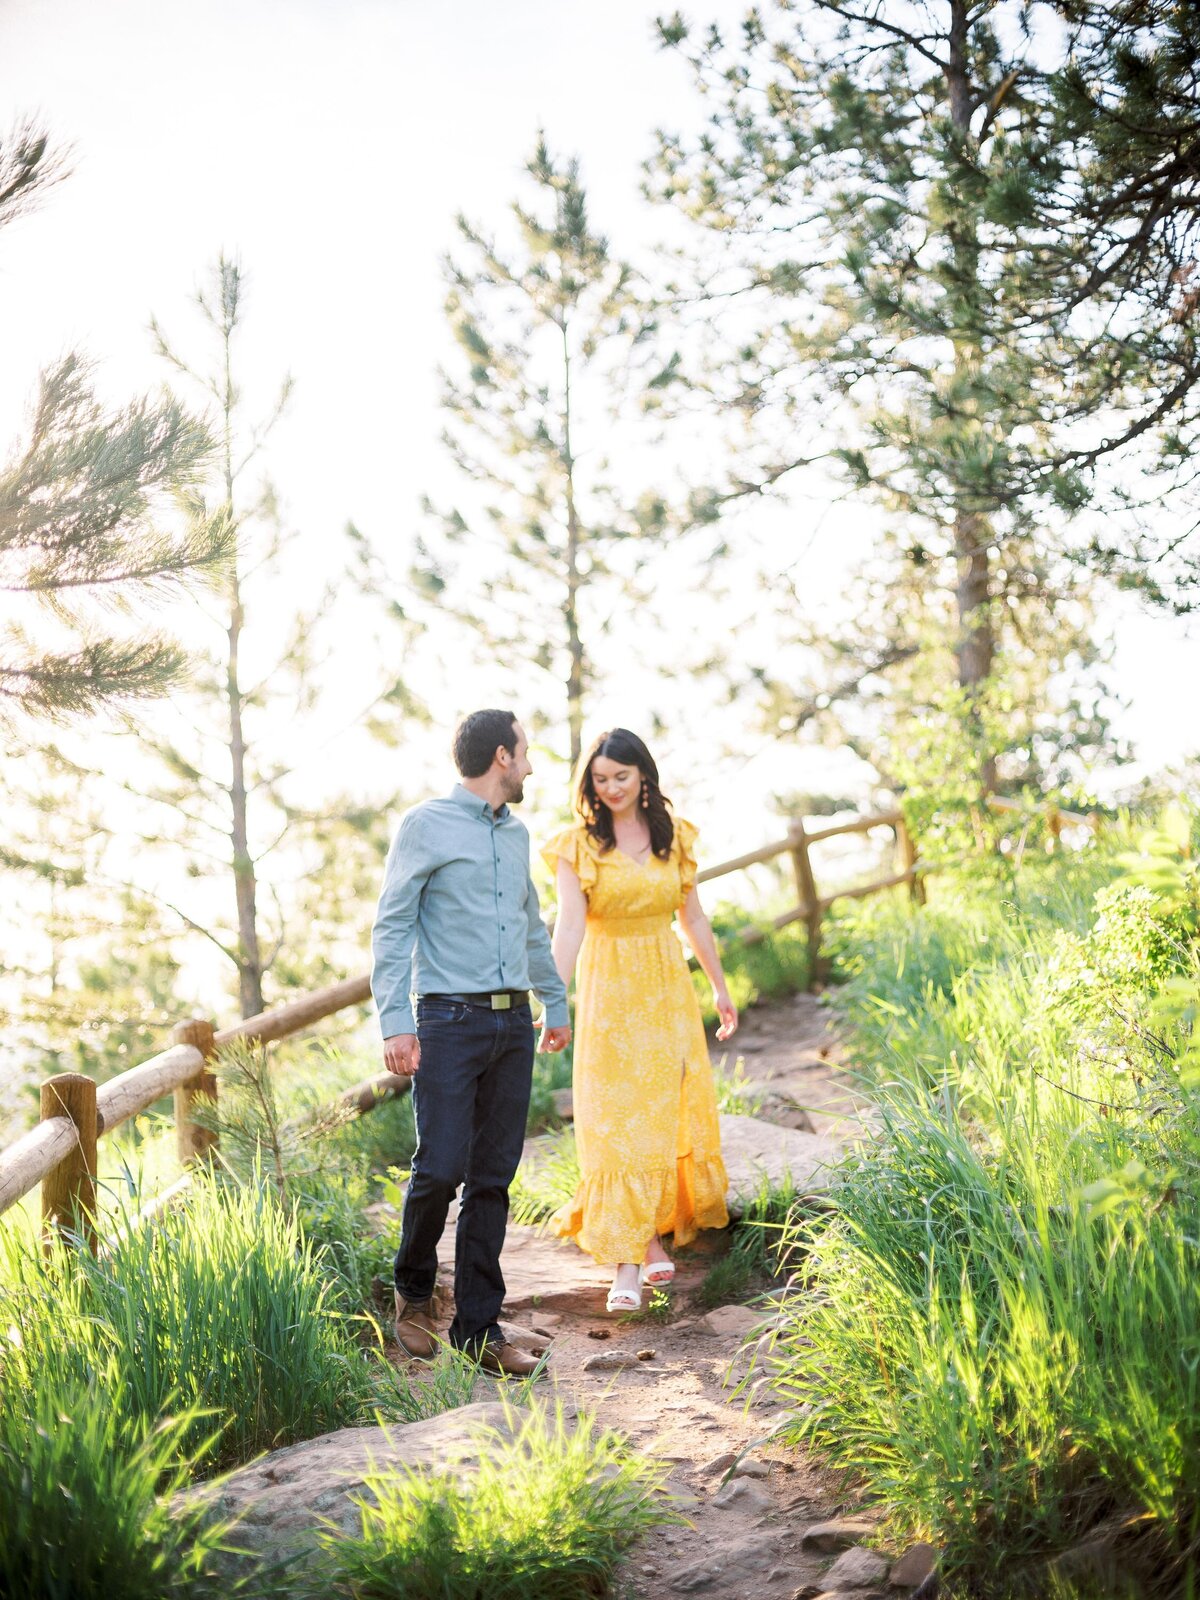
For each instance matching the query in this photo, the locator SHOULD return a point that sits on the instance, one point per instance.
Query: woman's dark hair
(618, 744)
(477, 738)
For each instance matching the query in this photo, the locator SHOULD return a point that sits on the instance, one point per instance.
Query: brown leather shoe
(505, 1359)
(416, 1333)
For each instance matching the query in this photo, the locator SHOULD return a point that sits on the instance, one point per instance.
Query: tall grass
(999, 1331)
(84, 1500)
(548, 1512)
(220, 1308)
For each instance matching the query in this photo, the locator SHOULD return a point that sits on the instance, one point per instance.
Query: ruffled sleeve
(685, 843)
(573, 846)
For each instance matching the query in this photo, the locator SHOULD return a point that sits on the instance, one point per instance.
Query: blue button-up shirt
(458, 913)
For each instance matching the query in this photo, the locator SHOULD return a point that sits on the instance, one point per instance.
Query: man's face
(515, 768)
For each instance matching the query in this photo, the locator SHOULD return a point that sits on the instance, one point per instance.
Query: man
(459, 925)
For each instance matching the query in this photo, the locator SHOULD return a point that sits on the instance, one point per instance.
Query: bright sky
(330, 144)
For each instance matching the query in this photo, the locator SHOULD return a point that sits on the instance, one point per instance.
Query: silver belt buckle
(502, 1002)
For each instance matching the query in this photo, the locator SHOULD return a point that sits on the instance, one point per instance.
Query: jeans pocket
(442, 1011)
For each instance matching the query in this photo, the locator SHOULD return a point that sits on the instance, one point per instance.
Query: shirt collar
(471, 802)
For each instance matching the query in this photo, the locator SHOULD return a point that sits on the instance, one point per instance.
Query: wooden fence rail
(60, 1152)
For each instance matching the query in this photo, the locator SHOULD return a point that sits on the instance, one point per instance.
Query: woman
(645, 1111)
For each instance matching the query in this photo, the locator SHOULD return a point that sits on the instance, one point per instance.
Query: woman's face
(618, 785)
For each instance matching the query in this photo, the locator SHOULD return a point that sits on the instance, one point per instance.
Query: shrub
(547, 1513)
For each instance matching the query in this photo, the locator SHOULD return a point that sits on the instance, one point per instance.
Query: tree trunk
(575, 661)
(244, 881)
(976, 647)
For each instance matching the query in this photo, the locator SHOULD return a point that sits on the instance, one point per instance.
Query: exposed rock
(857, 1568)
(730, 1322)
(750, 1468)
(615, 1360)
(754, 1150)
(525, 1338)
(564, 1104)
(735, 1567)
(744, 1494)
(913, 1567)
(838, 1534)
(284, 1499)
(721, 1463)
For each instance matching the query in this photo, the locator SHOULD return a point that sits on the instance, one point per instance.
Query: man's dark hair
(477, 738)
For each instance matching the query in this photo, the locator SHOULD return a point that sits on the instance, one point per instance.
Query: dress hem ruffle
(607, 1215)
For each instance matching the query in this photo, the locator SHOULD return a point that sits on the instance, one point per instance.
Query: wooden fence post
(69, 1190)
(1053, 826)
(906, 860)
(809, 901)
(191, 1140)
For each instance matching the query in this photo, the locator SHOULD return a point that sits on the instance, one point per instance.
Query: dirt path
(668, 1384)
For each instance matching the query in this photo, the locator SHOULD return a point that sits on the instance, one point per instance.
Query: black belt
(494, 999)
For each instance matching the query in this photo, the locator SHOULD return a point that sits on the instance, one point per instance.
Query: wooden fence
(60, 1152)
(811, 905)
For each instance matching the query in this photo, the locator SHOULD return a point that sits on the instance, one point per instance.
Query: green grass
(84, 1499)
(777, 965)
(547, 1182)
(998, 1331)
(548, 1512)
(220, 1308)
(763, 1247)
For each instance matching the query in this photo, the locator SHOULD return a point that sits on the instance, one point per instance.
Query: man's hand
(554, 1040)
(402, 1054)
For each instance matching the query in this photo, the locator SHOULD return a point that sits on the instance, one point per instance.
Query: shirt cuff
(399, 1019)
(555, 1014)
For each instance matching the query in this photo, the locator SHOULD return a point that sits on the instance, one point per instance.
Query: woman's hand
(727, 1012)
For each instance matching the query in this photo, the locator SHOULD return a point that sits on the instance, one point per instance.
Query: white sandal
(656, 1274)
(623, 1300)
(663, 1272)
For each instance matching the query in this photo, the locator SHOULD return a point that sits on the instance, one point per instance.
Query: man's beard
(514, 791)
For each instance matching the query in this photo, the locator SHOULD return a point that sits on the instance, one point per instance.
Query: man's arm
(395, 932)
(543, 975)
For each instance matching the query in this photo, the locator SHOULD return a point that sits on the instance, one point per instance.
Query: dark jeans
(470, 1098)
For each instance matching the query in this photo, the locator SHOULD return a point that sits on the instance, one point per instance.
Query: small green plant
(444, 1384)
(547, 1182)
(737, 1095)
(727, 1281)
(548, 1512)
(762, 1245)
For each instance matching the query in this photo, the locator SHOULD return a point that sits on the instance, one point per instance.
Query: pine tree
(546, 333)
(911, 268)
(85, 519)
(225, 796)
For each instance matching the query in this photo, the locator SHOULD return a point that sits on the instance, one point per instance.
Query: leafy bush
(550, 1072)
(547, 1513)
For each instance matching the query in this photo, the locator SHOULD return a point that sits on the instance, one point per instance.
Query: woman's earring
(645, 797)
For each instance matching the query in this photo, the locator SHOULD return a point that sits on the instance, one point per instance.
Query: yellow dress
(646, 1125)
